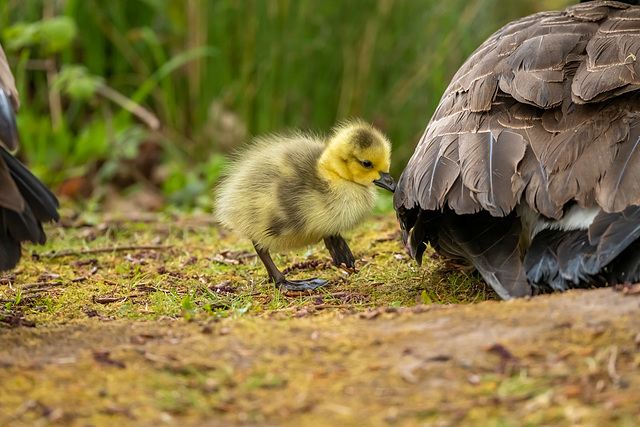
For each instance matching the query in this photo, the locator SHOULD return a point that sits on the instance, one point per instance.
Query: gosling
(287, 192)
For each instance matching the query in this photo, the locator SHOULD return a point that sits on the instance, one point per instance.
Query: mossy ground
(182, 328)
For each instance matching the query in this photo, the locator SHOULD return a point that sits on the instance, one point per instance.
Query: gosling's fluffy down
(286, 192)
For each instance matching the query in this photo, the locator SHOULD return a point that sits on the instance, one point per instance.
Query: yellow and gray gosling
(287, 192)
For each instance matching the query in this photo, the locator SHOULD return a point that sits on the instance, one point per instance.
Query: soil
(564, 359)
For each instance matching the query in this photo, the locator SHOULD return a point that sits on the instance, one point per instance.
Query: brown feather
(594, 12)
(546, 51)
(10, 197)
(488, 164)
(533, 88)
(534, 180)
(461, 200)
(438, 173)
(620, 186)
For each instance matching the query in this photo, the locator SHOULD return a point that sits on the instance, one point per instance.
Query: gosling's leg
(339, 251)
(280, 280)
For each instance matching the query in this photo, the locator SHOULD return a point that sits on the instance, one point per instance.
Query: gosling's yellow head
(358, 152)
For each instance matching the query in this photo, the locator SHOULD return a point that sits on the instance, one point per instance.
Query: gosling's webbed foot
(301, 285)
(279, 279)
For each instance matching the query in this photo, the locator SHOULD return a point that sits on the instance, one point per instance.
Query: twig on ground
(105, 250)
(108, 300)
(319, 307)
(37, 285)
(611, 368)
(43, 289)
(324, 306)
(134, 108)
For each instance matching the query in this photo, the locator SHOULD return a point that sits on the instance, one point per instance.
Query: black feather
(605, 254)
(490, 244)
(561, 260)
(40, 199)
(623, 229)
(40, 205)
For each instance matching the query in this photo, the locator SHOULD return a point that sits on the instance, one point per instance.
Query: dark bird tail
(491, 244)
(25, 203)
(606, 254)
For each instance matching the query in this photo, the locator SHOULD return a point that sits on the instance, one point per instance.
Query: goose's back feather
(552, 82)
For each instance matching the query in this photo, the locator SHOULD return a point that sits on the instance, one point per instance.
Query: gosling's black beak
(386, 182)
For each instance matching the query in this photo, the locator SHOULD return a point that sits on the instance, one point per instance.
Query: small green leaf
(56, 34)
(19, 35)
(53, 35)
(186, 304)
(76, 82)
(426, 299)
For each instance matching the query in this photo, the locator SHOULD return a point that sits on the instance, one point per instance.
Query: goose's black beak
(386, 182)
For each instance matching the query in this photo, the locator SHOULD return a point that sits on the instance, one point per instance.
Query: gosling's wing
(545, 112)
(25, 203)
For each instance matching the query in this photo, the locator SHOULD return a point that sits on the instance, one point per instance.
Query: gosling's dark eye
(367, 164)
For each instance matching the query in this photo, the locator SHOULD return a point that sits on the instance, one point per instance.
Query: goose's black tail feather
(606, 254)
(40, 205)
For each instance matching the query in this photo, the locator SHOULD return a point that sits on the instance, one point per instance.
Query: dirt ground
(570, 359)
(169, 320)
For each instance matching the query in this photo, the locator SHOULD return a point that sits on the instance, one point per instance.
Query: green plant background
(214, 73)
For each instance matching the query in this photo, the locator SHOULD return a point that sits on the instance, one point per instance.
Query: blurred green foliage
(214, 72)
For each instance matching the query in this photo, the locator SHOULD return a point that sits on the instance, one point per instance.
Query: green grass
(188, 267)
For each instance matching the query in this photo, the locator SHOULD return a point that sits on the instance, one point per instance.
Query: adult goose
(25, 203)
(530, 166)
